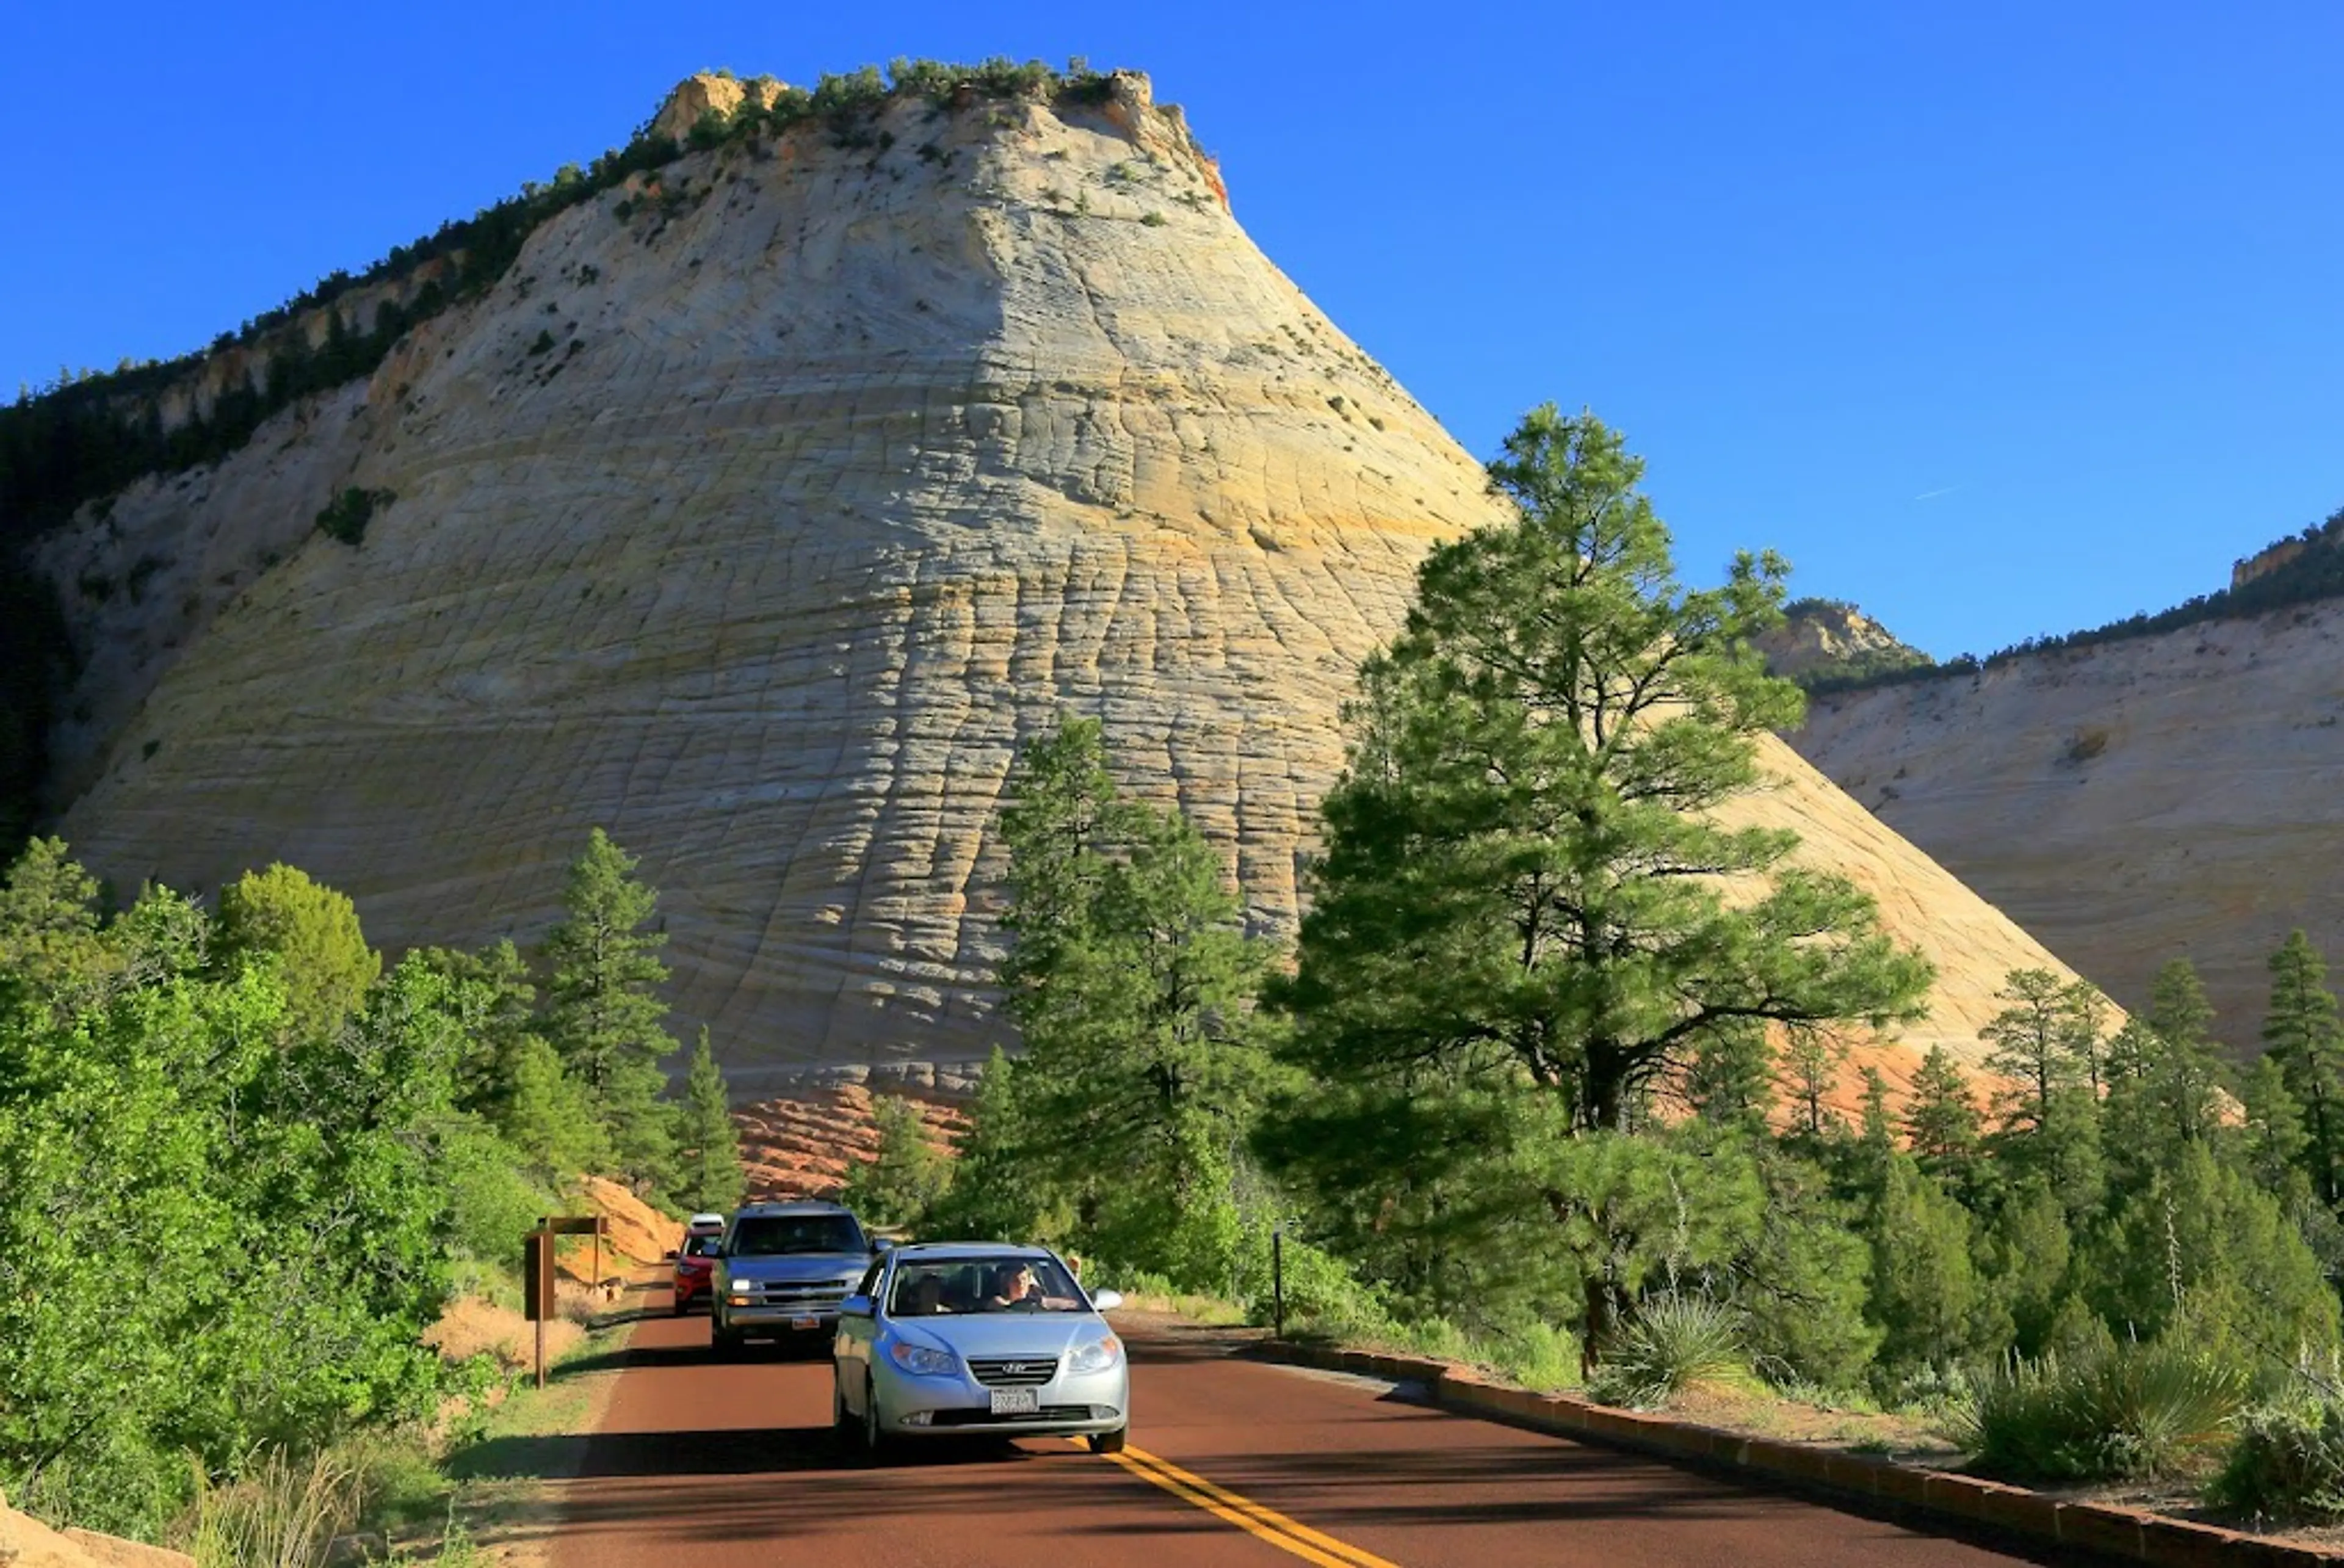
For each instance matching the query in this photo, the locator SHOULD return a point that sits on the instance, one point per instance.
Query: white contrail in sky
(1933, 494)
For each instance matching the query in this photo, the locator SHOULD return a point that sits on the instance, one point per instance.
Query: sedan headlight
(1096, 1357)
(920, 1362)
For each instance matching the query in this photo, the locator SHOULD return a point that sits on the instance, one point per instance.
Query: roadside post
(537, 1289)
(537, 1269)
(1277, 1280)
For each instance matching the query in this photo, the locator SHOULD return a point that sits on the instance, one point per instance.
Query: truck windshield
(774, 1235)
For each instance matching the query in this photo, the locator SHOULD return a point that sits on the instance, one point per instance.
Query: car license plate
(1016, 1402)
(805, 1322)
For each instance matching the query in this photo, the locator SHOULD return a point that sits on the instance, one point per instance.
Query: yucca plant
(2119, 1408)
(1671, 1343)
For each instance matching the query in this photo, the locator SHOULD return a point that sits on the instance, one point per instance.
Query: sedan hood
(793, 1266)
(1004, 1333)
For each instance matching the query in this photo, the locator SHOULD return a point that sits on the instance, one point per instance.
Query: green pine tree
(496, 1002)
(1731, 1078)
(2031, 1047)
(1941, 1119)
(48, 924)
(551, 1119)
(1131, 982)
(1924, 1293)
(2165, 1079)
(606, 1016)
(906, 1176)
(1510, 856)
(708, 1143)
(2300, 1031)
(313, 933)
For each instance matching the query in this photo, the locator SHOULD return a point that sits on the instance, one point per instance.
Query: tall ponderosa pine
(48, 924)
(1131, 981)
(1522, 871)
(1520, 923)
(708, 1144)
(2300, 1032)
(2034, 1040)
(606, 1019)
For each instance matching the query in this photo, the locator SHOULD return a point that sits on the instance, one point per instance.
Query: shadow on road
(773, 1451)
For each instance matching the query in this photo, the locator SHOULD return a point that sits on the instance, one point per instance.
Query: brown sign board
(577, 1225)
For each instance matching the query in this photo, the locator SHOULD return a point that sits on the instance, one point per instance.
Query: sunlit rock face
(758, 515)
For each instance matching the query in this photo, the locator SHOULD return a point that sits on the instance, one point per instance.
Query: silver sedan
(964, 1339)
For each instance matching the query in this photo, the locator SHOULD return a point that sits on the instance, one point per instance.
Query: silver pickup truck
(782, 1269)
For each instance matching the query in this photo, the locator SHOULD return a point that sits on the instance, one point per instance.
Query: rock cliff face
(1824, 637)
(2129, 802)
(758, 515)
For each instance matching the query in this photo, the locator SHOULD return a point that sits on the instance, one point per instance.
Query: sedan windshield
(963, 1285)
(774, 1235)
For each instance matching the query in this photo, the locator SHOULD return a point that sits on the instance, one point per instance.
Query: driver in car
(1016, 1286)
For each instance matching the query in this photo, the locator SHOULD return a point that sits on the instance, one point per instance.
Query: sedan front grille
(1014, 1371)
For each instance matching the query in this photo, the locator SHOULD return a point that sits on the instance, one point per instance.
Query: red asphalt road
(704, 1462)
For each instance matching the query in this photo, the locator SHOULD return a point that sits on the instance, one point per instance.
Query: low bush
(1672, 1342)
(282, 1513)
(345, 518)
(2288, 1462)
(2118, 1409)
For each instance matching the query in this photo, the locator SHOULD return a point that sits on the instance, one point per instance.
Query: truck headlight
(1096, 1357)
(920, 1362)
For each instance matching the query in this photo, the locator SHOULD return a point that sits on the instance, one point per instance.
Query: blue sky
(1998, 319)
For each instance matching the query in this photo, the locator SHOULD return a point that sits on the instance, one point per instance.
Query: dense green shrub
(2288, 1462)
(2118, 1408)
(345, 518)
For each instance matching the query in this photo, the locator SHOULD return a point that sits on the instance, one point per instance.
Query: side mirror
(883, 1244)
(669, 1256)
(854, 1306)
(1107, 1300)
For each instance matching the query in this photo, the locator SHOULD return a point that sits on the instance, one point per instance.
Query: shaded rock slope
(757, 514)
(2131, 801)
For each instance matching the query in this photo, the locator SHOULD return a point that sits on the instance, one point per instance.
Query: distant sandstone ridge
(758, 513)
(2133, 801)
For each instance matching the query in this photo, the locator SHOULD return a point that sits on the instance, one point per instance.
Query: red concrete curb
(2118, 1532)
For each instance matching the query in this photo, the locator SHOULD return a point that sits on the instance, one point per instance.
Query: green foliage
(311, 932)
(2288, 1462)
(1924, 1293)
(1941, 1119)
(1673, 1343)
(906, 1175)
(2198, 1249)
(606, 1018)
(1131, 981)
(548, 1117)
(1506, 885)
(2118, 1409)
(345, 518)
(708, 1143)
(2301, 1033)
(275, 1191)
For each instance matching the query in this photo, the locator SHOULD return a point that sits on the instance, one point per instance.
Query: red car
(696, 1261)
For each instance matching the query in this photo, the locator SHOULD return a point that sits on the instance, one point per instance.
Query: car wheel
(724, 1342)
(1108, 1441)
(875, 1435)
(683, 1303)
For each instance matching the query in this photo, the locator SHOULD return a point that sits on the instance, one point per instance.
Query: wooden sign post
(537, 1274)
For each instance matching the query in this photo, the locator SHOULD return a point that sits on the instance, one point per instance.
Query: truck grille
(807, 1293)
(1014, 1371)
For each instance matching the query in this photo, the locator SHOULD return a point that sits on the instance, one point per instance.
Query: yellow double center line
(1289, 1535)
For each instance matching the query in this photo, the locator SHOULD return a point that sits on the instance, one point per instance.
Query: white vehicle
(968, 1337)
